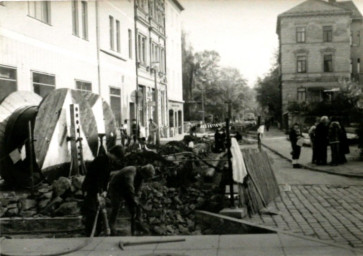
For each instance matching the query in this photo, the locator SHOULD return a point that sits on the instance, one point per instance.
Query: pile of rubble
(171, 211)
(62, 198)
(169, 202)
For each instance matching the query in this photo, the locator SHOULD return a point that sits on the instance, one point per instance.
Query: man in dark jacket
(95, 185)
(135, 130)
(126, 184)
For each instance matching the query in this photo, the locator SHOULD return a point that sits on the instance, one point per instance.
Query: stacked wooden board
(260, 185)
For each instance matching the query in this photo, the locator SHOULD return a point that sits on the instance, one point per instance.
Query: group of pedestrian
(326, 133)
(138, 134)
(322, 133)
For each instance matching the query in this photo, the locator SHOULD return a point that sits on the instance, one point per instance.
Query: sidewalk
(276, 141)
(208, 245)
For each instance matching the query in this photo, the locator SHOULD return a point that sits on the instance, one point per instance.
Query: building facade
(319, 50)
(174, 66)
(100, 46)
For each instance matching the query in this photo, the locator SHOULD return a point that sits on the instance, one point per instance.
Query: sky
(243, 32)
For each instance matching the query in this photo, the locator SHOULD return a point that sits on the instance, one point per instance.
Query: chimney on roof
(332, 1)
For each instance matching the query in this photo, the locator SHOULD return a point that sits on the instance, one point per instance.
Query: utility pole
(203, 111)
(156, 107)
(229, 154)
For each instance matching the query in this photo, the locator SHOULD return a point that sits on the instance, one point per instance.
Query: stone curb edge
(311, 168)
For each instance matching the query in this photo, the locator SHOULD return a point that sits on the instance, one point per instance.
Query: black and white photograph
(181, 127)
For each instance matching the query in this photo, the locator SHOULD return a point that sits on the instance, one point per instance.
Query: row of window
(312, 95)
(157, 52)
(115, 36)
(44, 83)
(155, 8)
(41, 10)
(301, 34)
(301, 63)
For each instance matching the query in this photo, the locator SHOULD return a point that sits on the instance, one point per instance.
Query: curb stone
(304, 166)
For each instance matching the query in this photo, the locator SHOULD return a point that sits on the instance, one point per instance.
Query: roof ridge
(335, 8)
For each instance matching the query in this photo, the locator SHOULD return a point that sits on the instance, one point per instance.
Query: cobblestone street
(327, 212)
(319, 205)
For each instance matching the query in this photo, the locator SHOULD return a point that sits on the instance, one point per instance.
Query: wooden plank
(108, 117)
(51, 146)
(110, 125)
(88, 121)
(262, 187)
(45, 122)
(90, 97)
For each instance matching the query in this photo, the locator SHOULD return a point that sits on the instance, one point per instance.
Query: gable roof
(311, 7)
(349, 5)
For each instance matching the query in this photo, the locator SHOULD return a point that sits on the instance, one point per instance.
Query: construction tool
(123, 244)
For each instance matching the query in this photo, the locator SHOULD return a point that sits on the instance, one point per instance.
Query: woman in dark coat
(334, 141)
(294, 135)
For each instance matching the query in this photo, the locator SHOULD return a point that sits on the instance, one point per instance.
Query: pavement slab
(277, 142)
(212, 245)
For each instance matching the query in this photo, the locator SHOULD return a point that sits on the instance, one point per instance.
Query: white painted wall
(173, 51)
(29, 45)
(118, 70)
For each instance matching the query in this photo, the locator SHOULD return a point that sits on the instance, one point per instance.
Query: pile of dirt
(171, 211)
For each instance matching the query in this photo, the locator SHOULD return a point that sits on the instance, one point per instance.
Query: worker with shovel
(94, 188)
(125, 185)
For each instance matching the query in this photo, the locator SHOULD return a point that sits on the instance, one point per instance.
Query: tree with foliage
(187, 67)
(268, 92)
(208, 85)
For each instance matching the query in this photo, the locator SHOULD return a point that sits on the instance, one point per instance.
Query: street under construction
(52, 149)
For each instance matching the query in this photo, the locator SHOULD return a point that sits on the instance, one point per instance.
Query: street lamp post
(229, 153)
(203, 111)
(155, 66)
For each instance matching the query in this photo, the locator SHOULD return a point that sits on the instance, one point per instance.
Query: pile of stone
(171, 211)
(61, 198)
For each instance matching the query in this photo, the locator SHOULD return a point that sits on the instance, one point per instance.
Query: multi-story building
(106, 47)
(319, 50)
(158, 37)
(151, 70)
